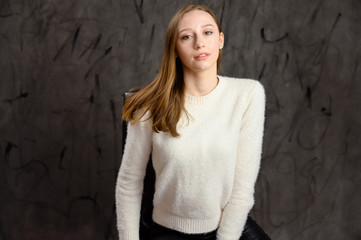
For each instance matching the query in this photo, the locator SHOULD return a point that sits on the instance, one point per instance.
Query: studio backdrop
(65, 64)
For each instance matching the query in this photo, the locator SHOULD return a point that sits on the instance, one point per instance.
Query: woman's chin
(202, 67)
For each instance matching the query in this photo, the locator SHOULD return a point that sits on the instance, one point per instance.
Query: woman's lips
(202, 56)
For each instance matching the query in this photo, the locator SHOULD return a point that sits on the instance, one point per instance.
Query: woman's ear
(221, 40)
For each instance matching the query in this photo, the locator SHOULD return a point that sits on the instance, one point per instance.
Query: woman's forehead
(196, 18)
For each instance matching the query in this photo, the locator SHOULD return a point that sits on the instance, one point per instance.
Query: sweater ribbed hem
(208, 97)
(185, 225)
(128, 234)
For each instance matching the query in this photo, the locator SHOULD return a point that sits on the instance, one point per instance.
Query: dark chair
(252, 231)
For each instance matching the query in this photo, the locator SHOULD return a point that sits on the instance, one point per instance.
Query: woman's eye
(186, 37)
(208, 32)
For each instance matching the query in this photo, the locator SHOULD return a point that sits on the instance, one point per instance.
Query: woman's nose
(198, 42)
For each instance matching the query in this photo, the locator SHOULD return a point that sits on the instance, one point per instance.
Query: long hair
(164, 97)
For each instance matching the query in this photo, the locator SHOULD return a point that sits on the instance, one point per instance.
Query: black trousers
(252, 231)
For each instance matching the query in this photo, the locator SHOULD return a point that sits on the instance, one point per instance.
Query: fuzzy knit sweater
(205, 177)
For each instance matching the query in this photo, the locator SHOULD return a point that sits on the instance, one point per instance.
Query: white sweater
(205, 177)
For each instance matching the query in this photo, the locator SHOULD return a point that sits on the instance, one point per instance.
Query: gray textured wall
(65, 64)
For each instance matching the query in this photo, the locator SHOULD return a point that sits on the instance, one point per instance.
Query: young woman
(204, 132)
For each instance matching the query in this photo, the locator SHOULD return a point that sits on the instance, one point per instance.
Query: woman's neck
(200, 83)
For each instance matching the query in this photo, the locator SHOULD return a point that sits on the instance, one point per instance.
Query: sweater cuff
(128, 234)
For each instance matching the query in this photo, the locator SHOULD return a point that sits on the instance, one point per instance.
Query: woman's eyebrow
(203, 26)
(207, 25)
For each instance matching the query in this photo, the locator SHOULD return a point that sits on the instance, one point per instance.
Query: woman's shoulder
(143, 118)
(242, 85)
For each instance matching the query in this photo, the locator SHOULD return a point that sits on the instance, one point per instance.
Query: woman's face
(198, 41)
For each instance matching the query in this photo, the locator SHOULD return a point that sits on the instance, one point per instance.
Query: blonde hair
(164, 97)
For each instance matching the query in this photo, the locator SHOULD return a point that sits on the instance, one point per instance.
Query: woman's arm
(129, 187)
(235, 213)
